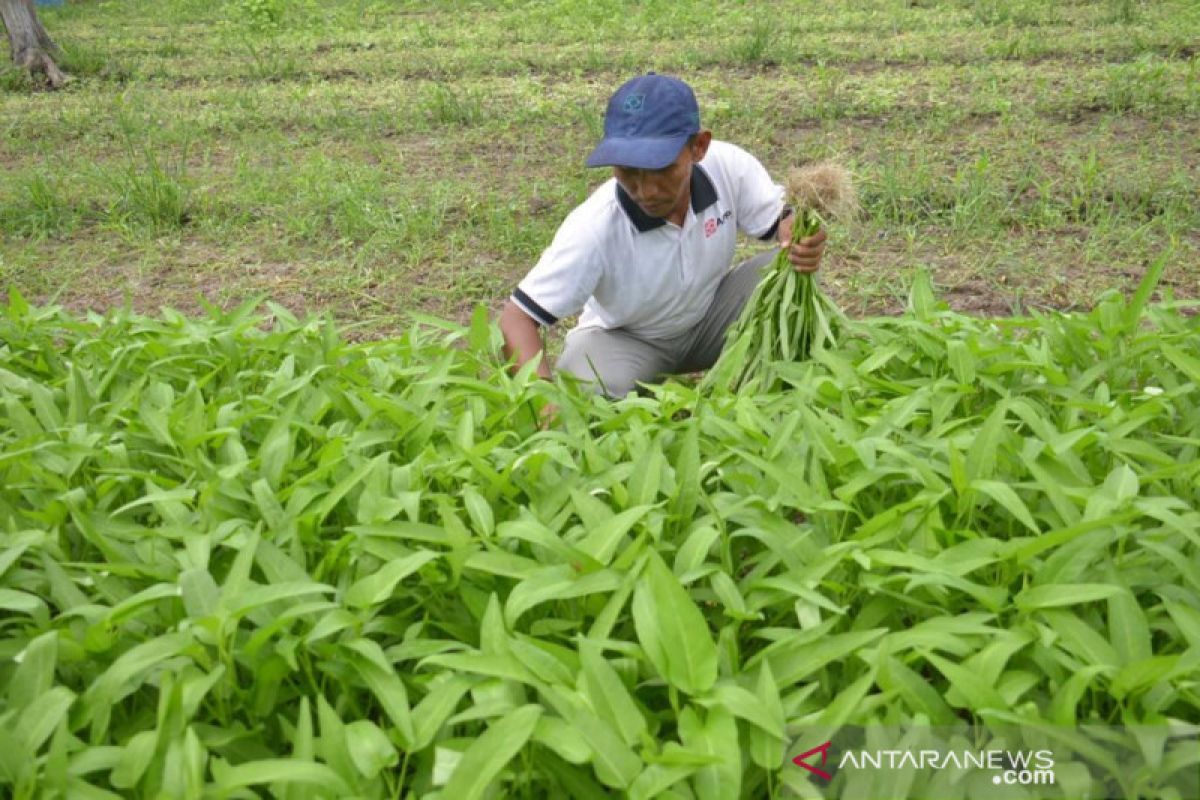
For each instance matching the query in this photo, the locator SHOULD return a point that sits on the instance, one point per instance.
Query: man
(647, 256)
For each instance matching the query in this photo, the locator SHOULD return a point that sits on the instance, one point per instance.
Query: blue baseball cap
(648, 121)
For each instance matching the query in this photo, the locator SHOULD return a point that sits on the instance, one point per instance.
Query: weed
(151, 194)
(259, 16)
(1141, 85)
(152, 191)
(40, 208)
(753, 48)
(445, 105)
(85, 60)
(1124, 12)
(15, 80)
(1017, 13)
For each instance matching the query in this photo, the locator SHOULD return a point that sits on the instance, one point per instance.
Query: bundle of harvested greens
(787, 317)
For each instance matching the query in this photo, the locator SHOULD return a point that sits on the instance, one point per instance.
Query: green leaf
(435, 708)
(302, 738)
(767, 744)
(479, 511)
(601, 542)
(713, 734)
(921, 300)
(1144, 674)
(252, 597)
(39, 719)
(615, 763)
(135, 758)
(982, 457)
(200, 593)
(573, 782)
(560, 582)
(970, 690)
(1003, 494)
(490, 753)
(695, 548)
(1146, 287)
(990, 662)
(275, 453)
(369, 748)
(119, 679)
(558, 735)
(962, 362)
(918, 694)
(767, 715)
(1063, 708)
(1082, 640)
(381, 678)
(378, 587)
(687, 477)
(334, 496)
(333, 742)
(281, 770)
(671, 629)
(656, 779)
(183, 766)
(496, 666)
(18, 306)
(479, 334)
(1187, 619)
(844, 707)
(608, 695)
(1121, 484)
(727, 591)
(797, 659)
(268, 505)
(34, 674)
(1127, 628)
(644, 483)
(1188, 364)
(12, 552)
(1064, 594)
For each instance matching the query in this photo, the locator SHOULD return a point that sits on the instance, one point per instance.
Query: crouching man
(648, 256)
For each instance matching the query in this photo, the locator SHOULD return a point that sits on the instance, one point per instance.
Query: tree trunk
(31, 46)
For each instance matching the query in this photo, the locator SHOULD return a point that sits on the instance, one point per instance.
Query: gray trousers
(614, 361)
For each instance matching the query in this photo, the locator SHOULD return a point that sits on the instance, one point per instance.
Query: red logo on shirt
(711, 224)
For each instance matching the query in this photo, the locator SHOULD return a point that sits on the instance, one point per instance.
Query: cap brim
(643, 153)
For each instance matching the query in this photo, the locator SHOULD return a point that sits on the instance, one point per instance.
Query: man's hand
(805, 254)
(522, 338)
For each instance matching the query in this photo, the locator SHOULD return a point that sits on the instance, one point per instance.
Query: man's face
(663, 192)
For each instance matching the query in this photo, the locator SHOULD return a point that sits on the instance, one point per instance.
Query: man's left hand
(805, 254)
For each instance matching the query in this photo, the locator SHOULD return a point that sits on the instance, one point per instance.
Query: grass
(409, 158)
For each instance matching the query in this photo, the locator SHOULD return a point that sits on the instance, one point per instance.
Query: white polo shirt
(628, 270)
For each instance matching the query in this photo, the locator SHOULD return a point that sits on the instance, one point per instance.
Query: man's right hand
(522, 338)
(547, 416)
(805, 255)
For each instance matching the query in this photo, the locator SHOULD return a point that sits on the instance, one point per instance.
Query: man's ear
(700, 145)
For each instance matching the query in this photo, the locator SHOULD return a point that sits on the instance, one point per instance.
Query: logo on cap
(634, 103)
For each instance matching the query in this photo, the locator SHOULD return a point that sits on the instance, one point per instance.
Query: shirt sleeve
(565, 276)
(758, 200)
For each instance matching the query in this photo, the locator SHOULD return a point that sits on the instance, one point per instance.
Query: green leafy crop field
(242, 557)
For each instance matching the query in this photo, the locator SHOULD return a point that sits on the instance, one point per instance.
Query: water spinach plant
(242, 556)
(788, 316)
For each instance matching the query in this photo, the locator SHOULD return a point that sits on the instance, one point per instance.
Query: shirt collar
(704, 194)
